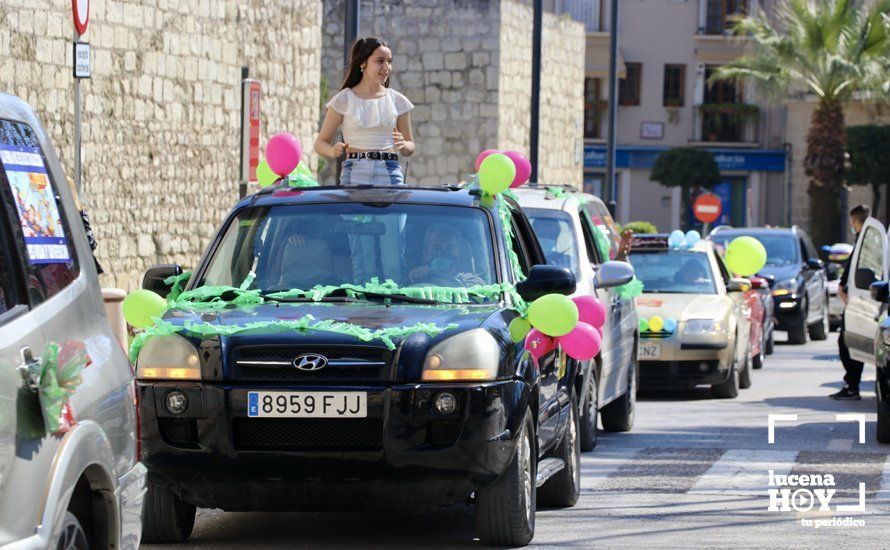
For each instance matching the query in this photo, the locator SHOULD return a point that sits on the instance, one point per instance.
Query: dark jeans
(852, 367)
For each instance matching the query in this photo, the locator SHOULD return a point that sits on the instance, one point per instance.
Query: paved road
(692, 474)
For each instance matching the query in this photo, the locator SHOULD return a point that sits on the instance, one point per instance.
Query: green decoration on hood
(630, 290)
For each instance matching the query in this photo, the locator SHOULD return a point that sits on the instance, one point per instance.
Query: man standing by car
(850, 391)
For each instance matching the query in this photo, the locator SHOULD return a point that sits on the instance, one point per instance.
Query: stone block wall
(162, 111)
(466, 65)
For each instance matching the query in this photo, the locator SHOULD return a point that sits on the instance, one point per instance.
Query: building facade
(466, 66)
(162, 110)
(668, 50)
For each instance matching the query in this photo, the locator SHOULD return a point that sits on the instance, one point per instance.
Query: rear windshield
(302, 246)
(674, 271)
(781, 249)
(556, 234)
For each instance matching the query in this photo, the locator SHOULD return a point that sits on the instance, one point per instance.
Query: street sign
(707, 208)
(81, 60)
(81, 11)
(250, 129)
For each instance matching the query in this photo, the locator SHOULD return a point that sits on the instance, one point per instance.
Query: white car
(576, 231)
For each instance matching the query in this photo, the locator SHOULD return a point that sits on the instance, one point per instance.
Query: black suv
(797, 278)
(248, 414)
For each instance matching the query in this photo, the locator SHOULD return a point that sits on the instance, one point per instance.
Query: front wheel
(820, 330)
(563, 489)
(771, 342)
(730, 388)
(757, 361)
(505, 510)
(165, 517)
(618, 416)
(745, 373)
(589, 414)
(73, 537)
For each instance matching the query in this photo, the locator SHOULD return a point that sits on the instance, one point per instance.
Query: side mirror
(832, 272)
(864, 277)
(612, 274)
(153, 279)
(880, 292)
(738, 284)
(814, 264)
(759, 282)
(546, 279)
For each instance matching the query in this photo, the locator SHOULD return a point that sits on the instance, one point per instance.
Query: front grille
(656, 335)
(345, 364)
(308, 434)
(444, 432)
(667, 371)
(179, 432)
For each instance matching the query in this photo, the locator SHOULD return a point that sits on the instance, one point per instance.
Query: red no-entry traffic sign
(81, 11)
(707, 208)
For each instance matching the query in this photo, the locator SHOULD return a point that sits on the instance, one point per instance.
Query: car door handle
(28, 368)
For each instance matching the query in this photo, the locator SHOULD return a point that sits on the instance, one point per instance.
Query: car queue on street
(260, 397)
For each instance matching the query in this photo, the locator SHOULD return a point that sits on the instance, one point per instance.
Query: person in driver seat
(692, 272)
(443, 262)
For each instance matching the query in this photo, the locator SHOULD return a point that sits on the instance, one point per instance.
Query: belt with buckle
(373, 155)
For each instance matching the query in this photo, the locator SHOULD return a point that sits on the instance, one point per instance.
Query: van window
(603, 226)
(871, 254)
(34, 208)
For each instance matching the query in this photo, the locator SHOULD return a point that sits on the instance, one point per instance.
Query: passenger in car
(442, 261)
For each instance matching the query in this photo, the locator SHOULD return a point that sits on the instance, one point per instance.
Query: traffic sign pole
(81, 14)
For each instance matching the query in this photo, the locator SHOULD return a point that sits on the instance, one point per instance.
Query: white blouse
(368, 123)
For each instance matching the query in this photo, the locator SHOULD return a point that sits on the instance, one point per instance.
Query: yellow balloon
(656, 323)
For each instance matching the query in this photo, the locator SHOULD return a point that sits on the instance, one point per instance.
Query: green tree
(869, 148)
(830, 48)
(688, 168)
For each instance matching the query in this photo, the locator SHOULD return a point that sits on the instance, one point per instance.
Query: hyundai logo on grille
(310, 361)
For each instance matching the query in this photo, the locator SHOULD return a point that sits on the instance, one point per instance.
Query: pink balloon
(523, 167)
(583, 343)
(283, 153)
(538, 344)
(590, 310)
(482, 156)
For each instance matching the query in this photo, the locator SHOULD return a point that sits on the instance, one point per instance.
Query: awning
(597, 58)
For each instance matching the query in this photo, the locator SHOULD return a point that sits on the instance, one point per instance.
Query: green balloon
(519, 328)
(644, 324)
(140, 306)
(554, 314)
(496, 173)
(264, 175)
(745, 256)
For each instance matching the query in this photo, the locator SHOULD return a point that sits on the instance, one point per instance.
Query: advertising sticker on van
(35, 203)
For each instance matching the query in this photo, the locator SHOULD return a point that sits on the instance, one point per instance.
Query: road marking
(840, 445)
(771, 424)
(662, 470)
(744, 472)
(856, 417)
(882, 497)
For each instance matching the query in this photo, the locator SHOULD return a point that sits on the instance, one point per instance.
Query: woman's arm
(402, 135)
(323, 145)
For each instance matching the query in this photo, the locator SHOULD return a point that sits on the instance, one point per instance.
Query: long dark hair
(361, 51)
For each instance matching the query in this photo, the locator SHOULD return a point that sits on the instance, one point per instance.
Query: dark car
(311, 420)
(797, 277)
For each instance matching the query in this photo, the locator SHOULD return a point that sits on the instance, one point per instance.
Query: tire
(165, 517)
(563, 489)
(771, 342)
(505, 510)
(73, 537)
(797, 334)
(820, 330)
(730, 388)
(589, 415)
(883, 431)
(618, 416)
(745, 373)
(758, 360)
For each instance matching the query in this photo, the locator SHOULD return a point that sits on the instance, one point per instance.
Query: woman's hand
(398, 139)
(340, 149)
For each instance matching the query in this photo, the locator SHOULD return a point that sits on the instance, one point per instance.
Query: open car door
(869, 264)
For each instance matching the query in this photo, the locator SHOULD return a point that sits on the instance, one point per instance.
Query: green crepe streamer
(451, 295)
(58, 377)
(303, 324)
(630, 290)
(297, 179)
(560, 193)
(177, 284)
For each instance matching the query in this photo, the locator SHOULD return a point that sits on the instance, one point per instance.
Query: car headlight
(784, 288)
(170, 357)
(703, 327)
(471, 355)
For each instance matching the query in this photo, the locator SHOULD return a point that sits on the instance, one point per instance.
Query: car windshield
(674, 271)
(781, 249)
(557, 237)
(301, 246)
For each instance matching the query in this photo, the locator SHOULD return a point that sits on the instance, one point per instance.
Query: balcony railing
(727, 122)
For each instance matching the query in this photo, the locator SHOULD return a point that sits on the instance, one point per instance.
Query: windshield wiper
(398, 297)
(307, 299)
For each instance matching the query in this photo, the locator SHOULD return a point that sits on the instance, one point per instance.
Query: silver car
(70, 475)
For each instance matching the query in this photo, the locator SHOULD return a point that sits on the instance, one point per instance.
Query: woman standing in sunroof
(374, 118)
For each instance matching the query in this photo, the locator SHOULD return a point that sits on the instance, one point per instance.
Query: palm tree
(830, 48)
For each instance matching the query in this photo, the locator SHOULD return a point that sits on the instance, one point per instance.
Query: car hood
(369, 315)
(780, 272)
(683, 306)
